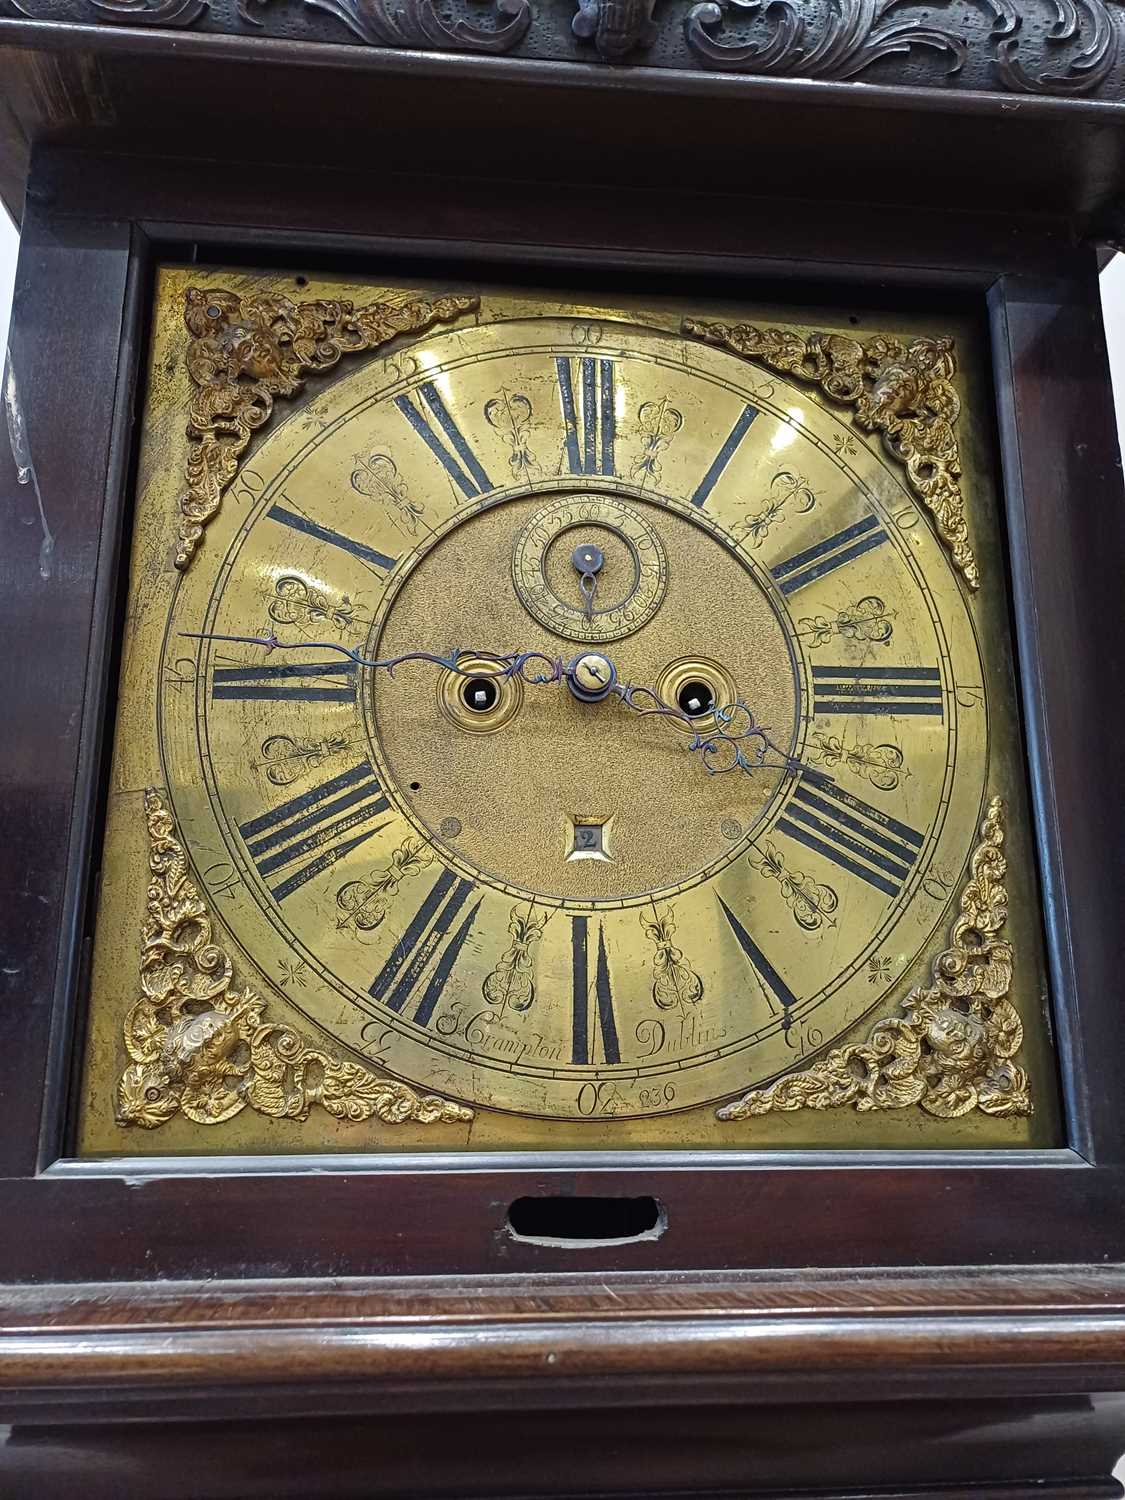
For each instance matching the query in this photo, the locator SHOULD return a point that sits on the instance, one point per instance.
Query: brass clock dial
(623, 731)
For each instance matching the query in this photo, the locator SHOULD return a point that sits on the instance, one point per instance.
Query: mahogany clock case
(78, 337)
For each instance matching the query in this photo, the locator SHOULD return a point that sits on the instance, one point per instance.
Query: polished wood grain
(411, 1344)
(65, 342)
(559, 1386)
(1062, 472)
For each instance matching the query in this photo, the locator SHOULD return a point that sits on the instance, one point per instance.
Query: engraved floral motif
(674, 982)
(376, 477)
(865, 620)
(511, 984)
(785, 486)
(903, 392)
(881, 765)
(658, 422)
(285, 760)
(362, 904)
(952, 1049)
(510, 414)
(813, 905)
(201, 1046)
(244, 352)
(296, 602)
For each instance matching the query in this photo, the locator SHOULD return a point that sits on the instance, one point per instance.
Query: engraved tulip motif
(362, 904)
(674, 982)
(511, 984)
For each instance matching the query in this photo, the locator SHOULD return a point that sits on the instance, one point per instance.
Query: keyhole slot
(581, 1223)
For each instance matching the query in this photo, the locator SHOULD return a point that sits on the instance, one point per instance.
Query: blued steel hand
(588, 559)
(738, 743)
(508, 664)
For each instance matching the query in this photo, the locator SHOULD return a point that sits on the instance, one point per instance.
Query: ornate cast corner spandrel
(952, 1049)
(904, 392)
(200, 1045)
(244, 352)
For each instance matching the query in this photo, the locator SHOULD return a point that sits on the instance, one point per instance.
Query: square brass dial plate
(724, 583)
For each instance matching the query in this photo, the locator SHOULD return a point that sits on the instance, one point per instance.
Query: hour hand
(727, 738)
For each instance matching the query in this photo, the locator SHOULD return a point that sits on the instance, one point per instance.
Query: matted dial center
(558, 759)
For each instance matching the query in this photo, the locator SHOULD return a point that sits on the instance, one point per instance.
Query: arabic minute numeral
(657, 1098)
(600, 1099)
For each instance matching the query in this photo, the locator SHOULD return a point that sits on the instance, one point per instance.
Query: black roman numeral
(877, 690)
(288, 515)
(325, 823)
(773, 986)
(724, 455)
(588, 413)
(445, 440)
(428, 937)
(309, 682)
(806, 567)
(859, 839)
(581, 996)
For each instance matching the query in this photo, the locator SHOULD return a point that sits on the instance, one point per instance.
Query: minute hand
(544, 669)
(738, 742)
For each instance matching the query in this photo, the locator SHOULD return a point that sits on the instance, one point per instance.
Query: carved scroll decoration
(154, 12)
(904, 392)
(1087, 21)
(246, 351)
(1050, 47)
(419, 23)
(952, 1049)
(416, 23)
(201, 1046)
(856, 34)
